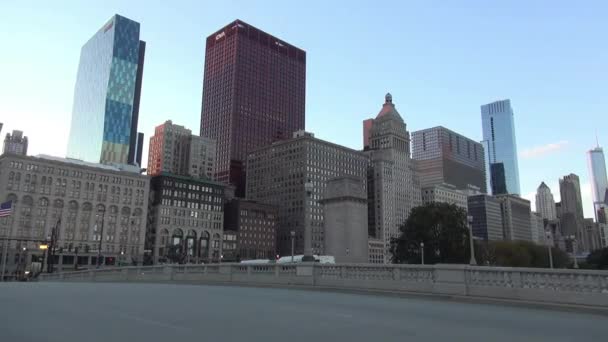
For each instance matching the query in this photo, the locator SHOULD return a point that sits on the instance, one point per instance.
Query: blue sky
(440, 59)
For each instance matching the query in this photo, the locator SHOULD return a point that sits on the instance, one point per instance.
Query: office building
(515, 212)
(499, 132)
(87, 205)
(185, 222)
(15, 143)
(250, 230)
(106, 96)
(375, 248)
(345, 207)
(537, 226)
(597, 176)
(393, 185)
(276, 174)
(445, 193)
(487, 217)
(444, 156)
(591, 236)
(367, 127)
(571, 208)
(253, 95)
(173, 149)
(545, 204)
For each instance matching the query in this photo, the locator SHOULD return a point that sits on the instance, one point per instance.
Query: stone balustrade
(582, 287)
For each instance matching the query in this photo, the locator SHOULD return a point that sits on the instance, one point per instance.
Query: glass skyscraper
(106, 96)
(599, 181)
(499, 132)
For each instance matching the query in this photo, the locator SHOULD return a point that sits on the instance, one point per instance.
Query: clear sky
(441, 60)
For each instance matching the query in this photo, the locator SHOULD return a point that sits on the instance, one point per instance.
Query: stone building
(345, 206)
(516, 224)
(276, 175)
(445, 193)
(545, 204)
(393, 186)
(185, 223)
(250, 230)
(86, 205)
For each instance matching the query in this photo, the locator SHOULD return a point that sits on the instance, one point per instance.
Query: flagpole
(5, 249)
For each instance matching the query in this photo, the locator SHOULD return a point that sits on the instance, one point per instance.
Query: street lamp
(293, 237)
(308, 187)
(471, 246)
(422, 252)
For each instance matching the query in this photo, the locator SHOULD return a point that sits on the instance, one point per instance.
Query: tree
(518, 254)
(598, 259)
(441, 227)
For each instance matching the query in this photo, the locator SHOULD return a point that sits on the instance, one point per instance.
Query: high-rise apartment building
(599, 181)
(499, 134)
(276, 174)
(516, 213)
(545, 204)
(173, 149)
(487, 217)
(107, 94)
(393, 185)
(444, 156)
(15, 143)
(253, 95)
(571, 209)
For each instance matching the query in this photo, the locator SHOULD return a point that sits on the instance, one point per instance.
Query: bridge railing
(585, 287)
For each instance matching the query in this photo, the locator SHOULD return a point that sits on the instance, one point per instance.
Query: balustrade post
(249, 270)
(516, 279)
(276, 270)
(396, 273)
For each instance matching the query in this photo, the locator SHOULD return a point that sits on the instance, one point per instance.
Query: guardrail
(582, 287)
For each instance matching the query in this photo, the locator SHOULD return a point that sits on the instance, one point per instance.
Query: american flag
(6, 208)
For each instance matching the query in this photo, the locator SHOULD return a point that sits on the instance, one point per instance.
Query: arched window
(191, 243)
(204, 245)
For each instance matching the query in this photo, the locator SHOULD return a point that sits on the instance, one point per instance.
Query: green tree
(518, 254)
(598, 259)
(441, 227)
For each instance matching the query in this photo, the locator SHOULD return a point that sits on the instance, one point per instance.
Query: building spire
(597, 142)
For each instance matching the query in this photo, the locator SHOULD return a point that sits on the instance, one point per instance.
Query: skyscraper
(253, 94)
(571, 212)
(516, 223)
(393, 185)
(499, 132)
(106, 95)
(15, 143)
(545, 204)
(173, 149)
(444, 156)
(599, 182)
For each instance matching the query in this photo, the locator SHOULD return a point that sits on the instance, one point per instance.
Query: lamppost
(293, 239)
(549, 247)
(471, 245)
(573, 241)
(422, 252)
(103, 214)
(308, 187)
(6, 244)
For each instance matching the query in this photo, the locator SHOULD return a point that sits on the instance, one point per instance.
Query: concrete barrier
(563, 286)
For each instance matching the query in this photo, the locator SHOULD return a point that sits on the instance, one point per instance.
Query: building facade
(346, 232)
(538, 228)
(276, 175)
(591, 236)
(516, 213)
(250, 230)
(445, 193)
(571, 209)
(599, 181)
(85, 205)
(253, 95)
(499, 131)
(487, 217)
(545, 204)
(185, 221)
(393, 185)
(173, 149)
(15, 143)
(106, 96)
(444, 156)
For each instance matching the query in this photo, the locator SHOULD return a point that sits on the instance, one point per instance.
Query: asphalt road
(164, 312)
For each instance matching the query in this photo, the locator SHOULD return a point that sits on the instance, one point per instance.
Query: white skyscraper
(597, 175)
(545, 204)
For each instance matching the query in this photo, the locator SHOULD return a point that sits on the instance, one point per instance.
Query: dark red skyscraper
(253, 94)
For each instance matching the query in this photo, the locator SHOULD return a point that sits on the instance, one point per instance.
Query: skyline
(343, 81)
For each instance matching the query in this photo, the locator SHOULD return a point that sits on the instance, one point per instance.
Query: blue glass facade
(499, 132)
(106, 95)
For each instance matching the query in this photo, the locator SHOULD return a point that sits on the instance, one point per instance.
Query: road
(165, 312)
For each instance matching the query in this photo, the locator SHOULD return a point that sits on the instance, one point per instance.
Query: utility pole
(51, 250)
(6, 240)
(103, 214)
(293, 237)
(308, 253)
(471, 245)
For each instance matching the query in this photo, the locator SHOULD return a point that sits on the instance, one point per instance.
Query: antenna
(596, 140)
